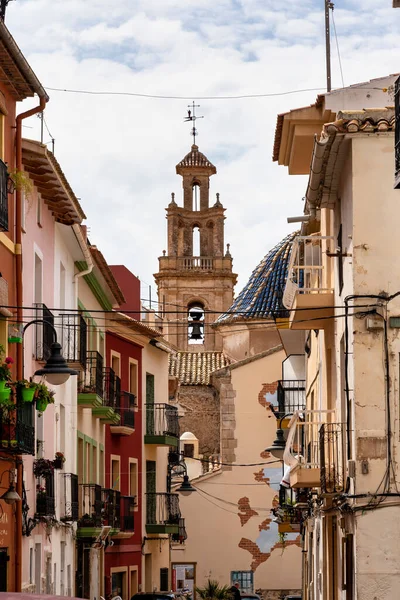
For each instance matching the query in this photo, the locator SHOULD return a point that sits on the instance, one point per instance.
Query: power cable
(337, 45)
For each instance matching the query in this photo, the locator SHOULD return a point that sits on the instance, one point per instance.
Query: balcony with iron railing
(111, 501)
(302, 451)
(162, 425)
(44, 335)
(126, 528)
(90, 510)
(181, 536)
(3, 197)
(17, 432)
(69, 509)
(397, 134)
(73, 339)
(109, 410)
(308, 293)
(332, 458)
(45, 496)
(162, 513)
(127, 409)
(291, 511)
(291, 396)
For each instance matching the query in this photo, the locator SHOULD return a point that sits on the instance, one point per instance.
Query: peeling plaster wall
(228, 520)
(200, 405)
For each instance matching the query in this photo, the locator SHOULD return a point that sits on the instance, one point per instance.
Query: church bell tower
(195, 279)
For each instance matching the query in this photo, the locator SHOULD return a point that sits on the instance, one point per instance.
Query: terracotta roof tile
(372, 120)
(262, 294)
(194, 368)
(195, 159)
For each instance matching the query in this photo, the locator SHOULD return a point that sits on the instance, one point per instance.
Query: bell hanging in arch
(196, 326)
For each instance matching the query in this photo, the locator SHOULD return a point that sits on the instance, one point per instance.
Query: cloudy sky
(119, 153)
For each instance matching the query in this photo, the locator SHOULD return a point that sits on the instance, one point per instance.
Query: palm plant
(213, 591)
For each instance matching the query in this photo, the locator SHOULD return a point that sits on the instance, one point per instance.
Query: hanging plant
(42, 467)
(26, 390)
(22, 182)
(44, 397)
(59, 460)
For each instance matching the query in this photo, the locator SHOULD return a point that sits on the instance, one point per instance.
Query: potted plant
(42, 467)
(5, 376)
(26, 390)
(7, 424)
(44, 397)
(59, 460)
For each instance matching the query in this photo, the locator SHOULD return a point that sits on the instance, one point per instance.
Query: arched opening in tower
(196, 323)
(196, 241)
(195, 197)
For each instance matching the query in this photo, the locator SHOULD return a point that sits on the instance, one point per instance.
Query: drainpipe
(19, 301)
(77, 229)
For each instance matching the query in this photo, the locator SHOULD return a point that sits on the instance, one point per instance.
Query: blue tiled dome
(262, 294)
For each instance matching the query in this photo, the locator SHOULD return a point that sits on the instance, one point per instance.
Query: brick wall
(202, 416)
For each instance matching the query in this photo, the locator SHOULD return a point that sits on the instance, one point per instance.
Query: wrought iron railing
(307, 273)
(397, 133)
(162, 509)
(17, 432)
(45, 500)
(3, 197)
(181, 536)
(111, 501)
(162, 419)
(127, 513)
(92, 380)
(69, 497)
(112, 389)
(74, 338)
(127, 410)
(44, 335)
(291, 397)
(331, 443)
(90, 505)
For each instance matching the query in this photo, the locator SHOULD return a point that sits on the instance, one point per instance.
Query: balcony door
(4, 558)
(151, 491)
(149, 404)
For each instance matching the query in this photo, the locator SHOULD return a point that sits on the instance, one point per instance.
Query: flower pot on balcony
(3, 384)
(5, 394)
(58, 463)
(41, 404)
(27, 394)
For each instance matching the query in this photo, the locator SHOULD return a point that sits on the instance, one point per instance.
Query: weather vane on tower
(192, 117)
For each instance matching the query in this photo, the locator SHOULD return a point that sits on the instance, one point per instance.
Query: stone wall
(200, 404)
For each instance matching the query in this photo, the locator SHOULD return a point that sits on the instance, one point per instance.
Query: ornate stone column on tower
(195, 275)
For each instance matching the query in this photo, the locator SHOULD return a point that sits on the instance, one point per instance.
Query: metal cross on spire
(191, 116)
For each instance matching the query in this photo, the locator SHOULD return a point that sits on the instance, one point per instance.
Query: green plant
(22, 182)
(29, 385)
(282, 540)
(44, 394)
(42, 467)
(5, 365)
(60, 457)
(213, 591)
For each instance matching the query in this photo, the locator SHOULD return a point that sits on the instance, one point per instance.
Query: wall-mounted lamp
(11, 496)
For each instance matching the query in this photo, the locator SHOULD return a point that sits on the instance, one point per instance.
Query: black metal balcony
(127, 514)
(69, 498)
(44, 336)
(397, 134)
(291, 397)
(74, 338)
(17, 433)
(112, 389)
(3, 197)
(90, 509)
(331, 446)
(162, 513)
(111, 501)
(181, 536)
(126, 413)
(162, 426)
(91, 384)
(45, 500)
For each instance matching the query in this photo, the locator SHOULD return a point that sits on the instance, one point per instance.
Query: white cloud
(119, 153)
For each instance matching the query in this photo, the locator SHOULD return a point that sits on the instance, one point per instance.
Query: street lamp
(186, 487)
(56, 369)
(11, 496)
(278, 446)
(177, 465)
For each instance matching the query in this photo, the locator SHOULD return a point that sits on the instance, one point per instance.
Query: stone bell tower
(195, 276)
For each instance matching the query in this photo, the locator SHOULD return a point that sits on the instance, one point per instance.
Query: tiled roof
(195, 159)
(194, 368)
(262, 294)
(371, 120)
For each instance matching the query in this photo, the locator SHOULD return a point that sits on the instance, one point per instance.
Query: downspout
(316, 174)
(19, 301)
(87, 255)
